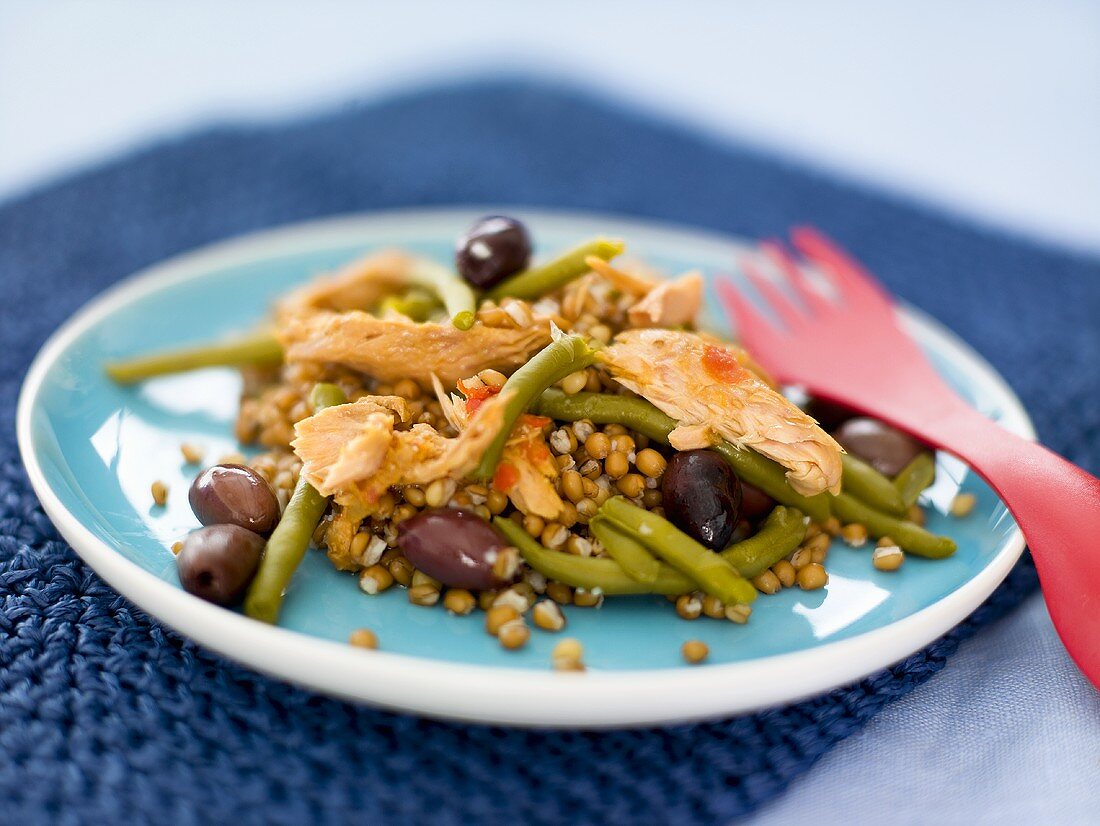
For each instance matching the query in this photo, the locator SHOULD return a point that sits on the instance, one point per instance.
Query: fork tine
(850, 277)
(814, 301)
(788, 313)
(750, 324)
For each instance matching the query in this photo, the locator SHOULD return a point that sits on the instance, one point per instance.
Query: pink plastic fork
(852, 351)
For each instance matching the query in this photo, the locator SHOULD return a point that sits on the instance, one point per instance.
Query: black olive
(493, 249)
(218, 562)
(701, 496)
(886, 449)
(755, 504)
(456, 547)
(234, 495)
(830, 415)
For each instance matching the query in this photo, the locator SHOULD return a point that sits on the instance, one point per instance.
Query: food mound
(519, 437)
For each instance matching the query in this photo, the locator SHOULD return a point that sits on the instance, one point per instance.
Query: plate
(92, 449)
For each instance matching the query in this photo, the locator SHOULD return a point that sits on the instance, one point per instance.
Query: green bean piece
(632, 556)
(552, 363)
(604, 408)
(416, 303)
(259, 349)
(713, 573)
(591, 573)
(289, 541)
(779, 536)
(454, 292)
(869, 486)
(915, 477)
(641, 416)
(909, 536)
(539, 281)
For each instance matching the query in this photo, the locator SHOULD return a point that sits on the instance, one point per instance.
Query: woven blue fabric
(106, 716)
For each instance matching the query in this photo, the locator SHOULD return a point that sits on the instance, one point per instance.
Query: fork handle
(1057, 506)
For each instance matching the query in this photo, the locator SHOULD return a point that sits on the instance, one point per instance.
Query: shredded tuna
(576, 293)
(693, 437)
(358, 286)
(454, 409)
(390, 350)
(670, 303)
(707, 390)
(345, 523)
(527, 470)
(353, 453)
(629, 282)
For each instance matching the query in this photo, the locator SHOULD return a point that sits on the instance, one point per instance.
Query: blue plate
(93, 448)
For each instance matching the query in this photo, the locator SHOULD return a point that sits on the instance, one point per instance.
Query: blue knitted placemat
(106, 716)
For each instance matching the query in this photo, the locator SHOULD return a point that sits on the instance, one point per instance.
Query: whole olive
(234, 495)
(456, 547)
(755, 504)
(217, 562)
(830, 415)
(494, 248)
(881, 446)
(701, 496)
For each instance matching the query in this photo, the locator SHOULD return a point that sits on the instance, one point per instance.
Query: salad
(510, 437)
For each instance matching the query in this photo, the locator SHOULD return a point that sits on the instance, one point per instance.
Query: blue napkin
(106, 716)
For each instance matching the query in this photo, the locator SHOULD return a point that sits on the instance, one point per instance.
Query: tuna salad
(521, 438)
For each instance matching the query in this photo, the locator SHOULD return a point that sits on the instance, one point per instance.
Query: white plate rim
(479, 693)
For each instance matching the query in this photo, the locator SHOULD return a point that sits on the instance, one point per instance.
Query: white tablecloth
(1008, 732)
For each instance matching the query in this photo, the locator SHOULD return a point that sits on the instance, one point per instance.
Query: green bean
(641, 416)
(603, 408)
(455, 293)
(538, 281)
(588, 572)
(915, 477)
(631, 555)
(552, 363)
(416, 303)
(713, 573)
(259, 348)
(909, 536)
(291, 537)
(781, 533)
(869, 486)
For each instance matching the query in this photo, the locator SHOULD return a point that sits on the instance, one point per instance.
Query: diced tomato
(505, 477)
(721, 365)
(476, 396)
